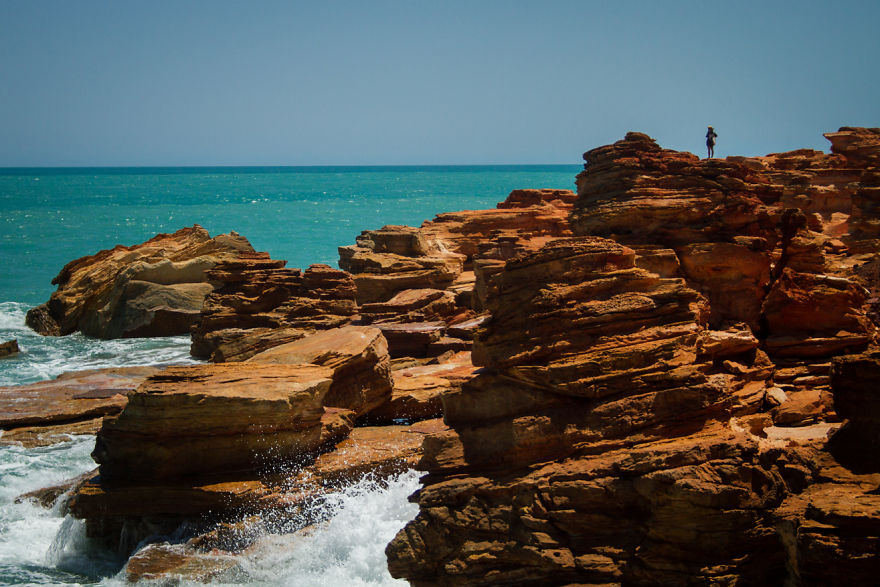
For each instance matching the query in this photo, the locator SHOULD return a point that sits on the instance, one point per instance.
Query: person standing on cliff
(710, 142)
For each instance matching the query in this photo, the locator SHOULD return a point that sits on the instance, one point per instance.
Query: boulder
(357, 357)
(8, 348)
(156, 288)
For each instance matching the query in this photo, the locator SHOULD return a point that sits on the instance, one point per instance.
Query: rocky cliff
(658, 392)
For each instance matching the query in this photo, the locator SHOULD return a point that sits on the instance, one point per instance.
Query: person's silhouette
(710, 141)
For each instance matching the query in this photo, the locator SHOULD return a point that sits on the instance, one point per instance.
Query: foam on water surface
(46, 357)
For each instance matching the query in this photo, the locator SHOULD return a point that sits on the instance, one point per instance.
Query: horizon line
(284, 166)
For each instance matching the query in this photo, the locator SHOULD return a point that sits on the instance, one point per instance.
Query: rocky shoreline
(664, 378)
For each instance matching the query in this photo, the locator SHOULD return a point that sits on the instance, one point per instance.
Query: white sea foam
(346, 549)
(46, 357)
(28, 531)
(38, 546)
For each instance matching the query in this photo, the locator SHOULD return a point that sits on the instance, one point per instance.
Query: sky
(411, 82)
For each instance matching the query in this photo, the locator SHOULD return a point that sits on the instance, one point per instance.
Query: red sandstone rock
(418, 390)
(397, 258)
(358, 357)
(411, 339)
(153, 289)
(259, 295)
(47, 412)
(412, 305)
(214, 419)
(598, 447)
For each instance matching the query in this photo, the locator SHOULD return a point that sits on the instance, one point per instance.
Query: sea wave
(46, 357)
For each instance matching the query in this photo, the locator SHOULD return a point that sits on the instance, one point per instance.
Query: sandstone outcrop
(356, 355)
(153, 289)
(656, 395)
(397, 258)
(214, 419)
(260, 304)
(419, 389)
(730, 221)
(48, 412)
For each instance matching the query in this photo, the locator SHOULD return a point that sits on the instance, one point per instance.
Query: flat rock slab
(178, 564)
(378, 450)
(418, 390)
(217, 418)
(358, 357)
(35, 436)
(77, 396)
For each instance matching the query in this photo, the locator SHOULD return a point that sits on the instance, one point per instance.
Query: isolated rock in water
(153, 289)
(358, 357)
(9, 348)
(257, 295)
(214, 419)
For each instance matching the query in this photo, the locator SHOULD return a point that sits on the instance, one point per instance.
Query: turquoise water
(51, 216)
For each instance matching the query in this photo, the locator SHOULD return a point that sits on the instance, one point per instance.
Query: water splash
(348, 547)
(28, 531)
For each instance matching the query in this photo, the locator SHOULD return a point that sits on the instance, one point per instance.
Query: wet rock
(9, 348)
(46, 412)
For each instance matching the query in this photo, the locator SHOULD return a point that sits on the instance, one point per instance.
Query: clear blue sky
(417, 82)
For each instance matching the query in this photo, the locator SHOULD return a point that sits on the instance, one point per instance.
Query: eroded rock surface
(655, 405)
(48, 412)
(260, 304)
(359, 360)
(153, 289)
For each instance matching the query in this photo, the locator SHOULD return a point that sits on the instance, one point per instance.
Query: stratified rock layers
(214, 419)
(654, 402)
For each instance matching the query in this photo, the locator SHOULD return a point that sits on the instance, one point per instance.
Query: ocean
(50, 216)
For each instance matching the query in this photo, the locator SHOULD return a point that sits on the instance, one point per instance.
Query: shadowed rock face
(656, 396)
(153, 289)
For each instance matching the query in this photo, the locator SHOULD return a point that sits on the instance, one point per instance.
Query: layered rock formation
(153, 289)
(48, 412)
(655, 404)
(260, 304)
(358, 358)
(648, 400)
(417, 283)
